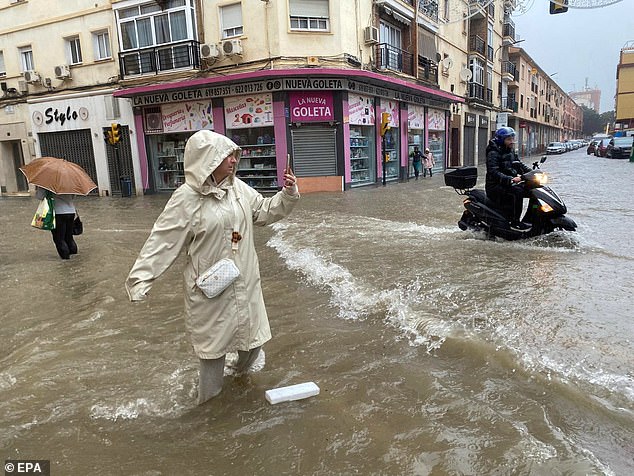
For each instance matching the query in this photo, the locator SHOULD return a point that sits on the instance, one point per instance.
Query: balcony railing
(509, 103)
(508, 28)
(476, 44)
(427, 70)
(429, 8)
(479, 92)
(396, 59)
(509, 68)
(158, 59)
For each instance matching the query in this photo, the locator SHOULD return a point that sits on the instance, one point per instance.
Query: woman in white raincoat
(211, 217)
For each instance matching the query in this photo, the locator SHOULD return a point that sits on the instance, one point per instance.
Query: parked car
(555, 148)
(619, 148)
(602, 147)
(592, 146)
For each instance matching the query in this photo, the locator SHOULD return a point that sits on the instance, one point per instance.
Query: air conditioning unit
(31, 76)
(209, 51)
(62, 71)
(371, 35)
(232, 47)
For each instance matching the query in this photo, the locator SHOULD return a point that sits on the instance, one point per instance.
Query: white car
(555, 148)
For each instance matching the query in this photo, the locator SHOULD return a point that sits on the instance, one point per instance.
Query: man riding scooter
(504, 170)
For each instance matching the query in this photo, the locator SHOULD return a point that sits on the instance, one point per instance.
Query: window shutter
(231, 16)
(309, 8)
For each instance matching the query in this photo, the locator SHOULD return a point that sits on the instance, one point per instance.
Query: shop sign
(415, 117)
(187, 116)
(360, 110)
(311, 106)
(249, 111)
(283, 84)
(484, 121)
(436, 120)
(470, 119)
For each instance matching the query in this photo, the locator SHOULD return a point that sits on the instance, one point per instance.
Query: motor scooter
(545, 213)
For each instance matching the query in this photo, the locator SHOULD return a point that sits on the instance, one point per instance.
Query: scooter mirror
(543, 159)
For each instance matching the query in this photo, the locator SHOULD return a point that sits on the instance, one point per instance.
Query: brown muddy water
(436, 351)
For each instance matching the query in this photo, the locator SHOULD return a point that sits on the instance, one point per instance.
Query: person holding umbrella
(62, 180)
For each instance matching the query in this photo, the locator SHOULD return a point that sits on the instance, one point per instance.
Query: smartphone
(288, 162)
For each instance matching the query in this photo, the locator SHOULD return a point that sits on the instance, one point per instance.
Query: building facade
(309, 79)
(625, 90)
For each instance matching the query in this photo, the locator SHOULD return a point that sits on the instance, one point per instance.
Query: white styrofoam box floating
(292, 392)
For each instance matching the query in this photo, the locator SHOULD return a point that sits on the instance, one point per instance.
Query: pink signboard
(311, 106)
(187, 116)
(242, 112)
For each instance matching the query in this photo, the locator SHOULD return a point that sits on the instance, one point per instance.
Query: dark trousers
(509, 199)
(63, 235)
(425, 172)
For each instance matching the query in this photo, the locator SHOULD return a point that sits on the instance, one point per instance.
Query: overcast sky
(578, 44)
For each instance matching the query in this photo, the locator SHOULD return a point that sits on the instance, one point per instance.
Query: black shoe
(519, 226)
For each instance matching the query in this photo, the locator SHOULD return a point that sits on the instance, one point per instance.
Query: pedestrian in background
(212, 217)
(428, 162)
(417, 161)
(64, 218)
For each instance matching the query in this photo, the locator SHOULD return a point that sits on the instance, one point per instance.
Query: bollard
(126, 186)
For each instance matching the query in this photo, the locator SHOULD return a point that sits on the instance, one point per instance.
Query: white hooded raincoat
(200, 218)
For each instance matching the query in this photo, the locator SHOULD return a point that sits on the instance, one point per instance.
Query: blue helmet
(502, 133)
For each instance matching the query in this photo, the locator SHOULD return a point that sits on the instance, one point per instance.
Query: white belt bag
(217, 278)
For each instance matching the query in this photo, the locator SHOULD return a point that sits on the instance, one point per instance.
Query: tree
(594, 123)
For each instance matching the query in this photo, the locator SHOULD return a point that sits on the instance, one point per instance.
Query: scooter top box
(462, 178)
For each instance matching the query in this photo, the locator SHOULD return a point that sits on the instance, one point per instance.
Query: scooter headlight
(544, 207)
(542, 178)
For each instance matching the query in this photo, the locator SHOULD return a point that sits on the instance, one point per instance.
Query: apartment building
(542, 112)
(309, 78)
(625, 90)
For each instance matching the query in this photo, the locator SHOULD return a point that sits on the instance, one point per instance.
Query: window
(3, 70)
(231, 20)
(477, 68)
(74, 50)
(309, 15)
(391, 53)
(101, 43)
(26, 56)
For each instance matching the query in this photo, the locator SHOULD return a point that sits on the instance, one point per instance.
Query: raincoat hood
(204, 152)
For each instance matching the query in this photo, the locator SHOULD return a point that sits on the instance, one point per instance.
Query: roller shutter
(314, 152)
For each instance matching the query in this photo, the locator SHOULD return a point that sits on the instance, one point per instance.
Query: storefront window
(362, 145)
(249, 121)
(415, 133)
(436, 138)
(166, 151)
(391, 161)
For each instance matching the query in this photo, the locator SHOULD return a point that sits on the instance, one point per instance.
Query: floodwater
(436, 351)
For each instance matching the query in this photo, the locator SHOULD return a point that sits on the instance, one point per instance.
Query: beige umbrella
(58, 176)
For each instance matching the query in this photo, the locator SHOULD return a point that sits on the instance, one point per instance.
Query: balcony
(509, 103)
(429, 8)
(479, 94)
(476, 7)
(395, 59)
(508, 30)
(183, 55)
(509, 71)
(476, 45)
(427, 70)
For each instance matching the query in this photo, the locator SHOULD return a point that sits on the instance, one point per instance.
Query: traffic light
(107, 136)
(385, 123)
(116, 133)
(558, 6)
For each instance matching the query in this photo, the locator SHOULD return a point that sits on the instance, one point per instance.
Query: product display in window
(361, 156)
(391, 149)
(170, 173)
(258, 166)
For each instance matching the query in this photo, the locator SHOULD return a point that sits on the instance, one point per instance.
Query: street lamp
(514, 42)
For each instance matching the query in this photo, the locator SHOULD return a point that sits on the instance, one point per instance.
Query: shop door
(74, 146)
(120, 163)
(469, 145)
(455, 147)
(18, 161)
(314, 152)
(483, 140)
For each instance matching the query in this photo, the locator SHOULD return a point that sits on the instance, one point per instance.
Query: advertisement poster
(392, 108)
(361, 110)
(415, 117)
(312, 106)
(436, 120)
(243, 112)
(187, 116)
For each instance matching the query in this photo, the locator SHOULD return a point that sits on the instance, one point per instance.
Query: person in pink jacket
(428, 162)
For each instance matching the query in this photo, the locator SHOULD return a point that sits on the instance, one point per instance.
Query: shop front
(415, 133)
(327, 123)
(437, 137)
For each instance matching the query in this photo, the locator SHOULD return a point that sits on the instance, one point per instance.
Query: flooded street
(436, 351)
